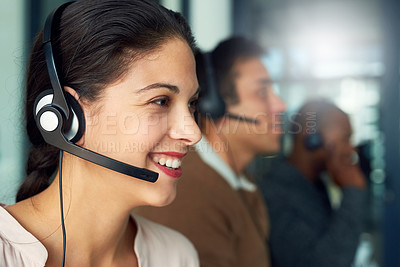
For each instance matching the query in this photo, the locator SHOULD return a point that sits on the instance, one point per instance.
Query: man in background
(305, 230)
(218, 207)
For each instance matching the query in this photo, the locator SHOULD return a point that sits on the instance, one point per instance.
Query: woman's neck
(99, 228)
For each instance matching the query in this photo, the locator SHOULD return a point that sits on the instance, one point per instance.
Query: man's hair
(223, 58)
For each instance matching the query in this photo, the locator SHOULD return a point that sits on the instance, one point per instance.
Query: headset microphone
(241, 118)
(61, 121)
(60, 118)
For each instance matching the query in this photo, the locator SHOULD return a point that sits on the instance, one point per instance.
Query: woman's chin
(164, 202)
(164, 199)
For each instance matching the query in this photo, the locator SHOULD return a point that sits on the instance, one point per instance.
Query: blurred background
(344, 50)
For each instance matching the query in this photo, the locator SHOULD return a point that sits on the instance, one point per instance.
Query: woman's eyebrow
(170, 87)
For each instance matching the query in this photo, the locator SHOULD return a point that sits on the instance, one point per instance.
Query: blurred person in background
(305, 230)
(218, 207)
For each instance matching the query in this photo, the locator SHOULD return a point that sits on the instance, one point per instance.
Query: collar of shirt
(19, 245)
(212, 159)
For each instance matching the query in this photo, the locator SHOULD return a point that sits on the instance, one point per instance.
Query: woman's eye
(193, 105)
(163, 102)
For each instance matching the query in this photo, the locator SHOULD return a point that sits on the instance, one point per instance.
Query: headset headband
(59, 96)
(60, 110)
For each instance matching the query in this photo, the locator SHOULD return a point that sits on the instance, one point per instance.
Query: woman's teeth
(170, 163)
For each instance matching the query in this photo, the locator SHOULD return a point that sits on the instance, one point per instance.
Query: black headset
(313, 141)
(211, 103)
(60, 118)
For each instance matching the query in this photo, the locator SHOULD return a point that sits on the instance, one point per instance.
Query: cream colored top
(155, 245)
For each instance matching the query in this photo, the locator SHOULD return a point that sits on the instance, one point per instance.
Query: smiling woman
(120, 114)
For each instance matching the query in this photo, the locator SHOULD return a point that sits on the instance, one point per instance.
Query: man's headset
(60, 118)
(211, 103)
(313, 141)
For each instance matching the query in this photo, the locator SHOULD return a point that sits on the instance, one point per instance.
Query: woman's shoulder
(171, 247)
(17, 245)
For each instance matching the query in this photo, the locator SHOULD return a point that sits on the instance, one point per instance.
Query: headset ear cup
(74, 130)
(211, 104)
(77, 128)
(313, 141)
(43, 99)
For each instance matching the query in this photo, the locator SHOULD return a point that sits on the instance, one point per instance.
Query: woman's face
(146, 120)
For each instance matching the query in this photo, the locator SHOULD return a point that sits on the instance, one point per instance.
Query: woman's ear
(75, 95)
(72, 92)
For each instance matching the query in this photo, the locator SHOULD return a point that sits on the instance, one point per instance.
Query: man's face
(257, 100)
(337, 136)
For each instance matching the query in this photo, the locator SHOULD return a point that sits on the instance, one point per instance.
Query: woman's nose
(185, 128)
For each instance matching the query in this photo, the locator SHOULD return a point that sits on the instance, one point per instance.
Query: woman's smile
(168, 162)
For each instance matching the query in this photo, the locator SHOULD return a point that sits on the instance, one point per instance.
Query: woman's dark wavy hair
(95, 43)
